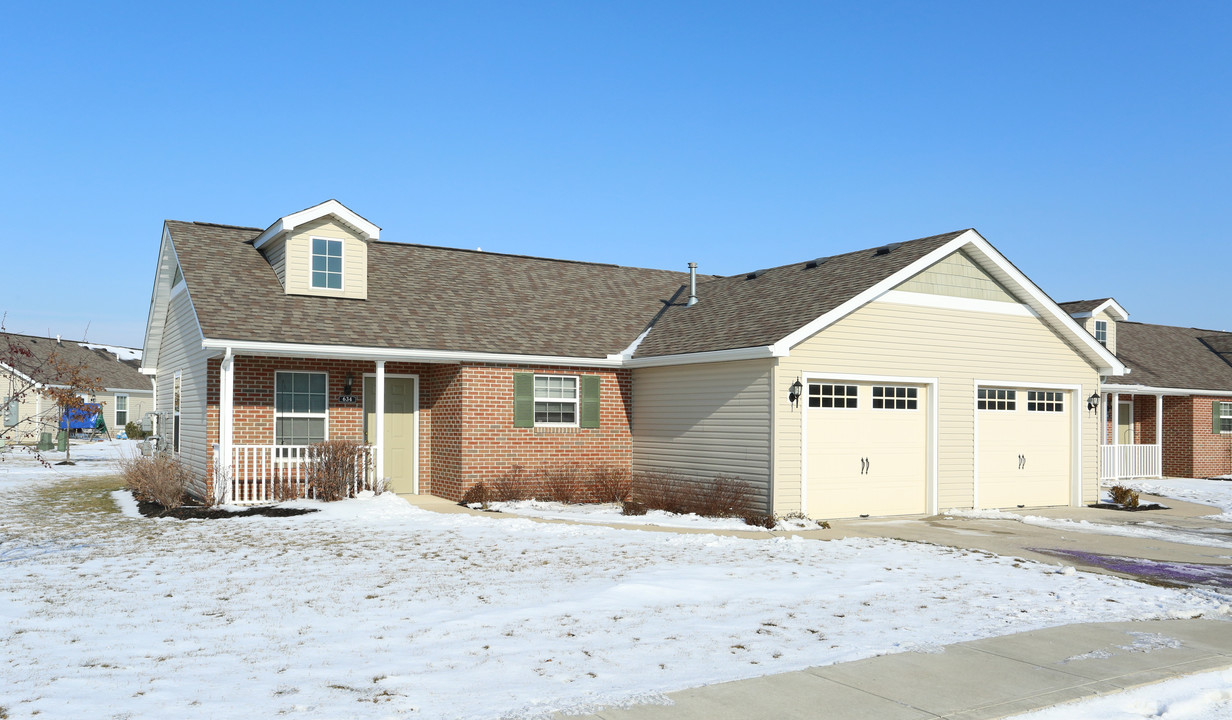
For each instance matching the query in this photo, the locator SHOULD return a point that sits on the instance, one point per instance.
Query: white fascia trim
(329, 207)
(949, 302)
(164, 242)
(148, 371)
(399, 354)
(1114, 309)
(131, 391)
(1148, 390)
(20, 374)
(761, 352)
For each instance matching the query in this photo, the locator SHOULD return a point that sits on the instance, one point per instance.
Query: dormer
(1098, 317)
(322, 251)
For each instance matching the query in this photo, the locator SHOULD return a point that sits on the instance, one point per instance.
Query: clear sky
(1088, 141)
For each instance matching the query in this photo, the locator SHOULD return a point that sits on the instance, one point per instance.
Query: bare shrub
(610, 484)
(632, 507)
(159, 479)
(1123, 496)
(724, 496)
(663, 491)
(721, 496)
(558, 483)
(477, 494)
(332, 468)
(284, 488)
(511, 485)
(761, 520)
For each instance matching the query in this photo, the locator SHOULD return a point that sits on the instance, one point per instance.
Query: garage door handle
(1022, 461)
(864, 466)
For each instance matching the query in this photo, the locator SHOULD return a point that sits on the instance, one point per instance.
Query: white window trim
(1225, 413)
(872, 399)
(577, 401)
(1104, 340)
(1015, 400)
(177, 402)
(115, 417)
(277, 414)
(341, 259)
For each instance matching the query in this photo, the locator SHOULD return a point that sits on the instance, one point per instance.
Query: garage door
(866, 449)
(1025, 447)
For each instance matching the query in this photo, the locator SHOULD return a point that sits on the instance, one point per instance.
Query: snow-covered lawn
(1217, 493)
(374, 608)
(1206, 696)
(610, 514)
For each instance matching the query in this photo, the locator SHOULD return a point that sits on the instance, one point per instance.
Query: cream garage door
(1025, 447)
(866, 449)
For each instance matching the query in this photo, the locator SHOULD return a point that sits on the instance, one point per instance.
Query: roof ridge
(953, 233)
(1175, 327)
(222, 225)
(533, 257)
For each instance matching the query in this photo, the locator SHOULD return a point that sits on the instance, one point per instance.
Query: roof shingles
(1164, 356)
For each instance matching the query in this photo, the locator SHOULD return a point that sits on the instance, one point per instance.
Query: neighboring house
(1182, 375)
(126, 394)
(907, 378)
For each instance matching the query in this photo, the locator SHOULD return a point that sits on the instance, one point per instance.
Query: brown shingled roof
(1174, 357)
(1081, 306)
(99, 363)
(737, 312)
(422, 297)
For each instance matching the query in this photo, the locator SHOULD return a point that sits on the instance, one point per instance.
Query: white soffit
(329, 207)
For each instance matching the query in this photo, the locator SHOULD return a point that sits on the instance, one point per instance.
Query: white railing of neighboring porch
(271, 473)
(1127, 462)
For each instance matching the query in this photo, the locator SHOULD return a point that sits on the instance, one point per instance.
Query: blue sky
(1088, 141)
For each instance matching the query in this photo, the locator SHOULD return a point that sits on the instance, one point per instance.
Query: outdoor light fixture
(794, 392)
(1093, 401)
(350, 382)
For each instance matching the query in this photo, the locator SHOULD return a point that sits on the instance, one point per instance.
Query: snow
(122, 353)
(373, 608)
(610, 514)
(1206, 537)
(1216, 492)
(1205, 696)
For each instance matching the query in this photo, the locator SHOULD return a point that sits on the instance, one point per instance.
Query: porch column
(1159, 432)
(226, 421)
(1103, 418)
(1116, 436)
(379, 446)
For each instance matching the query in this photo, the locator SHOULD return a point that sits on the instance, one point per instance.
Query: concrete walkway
(991, 678)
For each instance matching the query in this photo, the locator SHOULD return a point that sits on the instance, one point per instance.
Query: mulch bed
(1114, 506)
(197, 512)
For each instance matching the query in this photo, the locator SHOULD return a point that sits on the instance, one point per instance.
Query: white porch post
(1159, 432)
(1103, 418)
(226, 421)
(379, 445)
(1116, 436)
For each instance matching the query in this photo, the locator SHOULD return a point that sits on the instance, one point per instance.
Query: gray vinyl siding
(181, 350)
(705, 420)
(276, 254)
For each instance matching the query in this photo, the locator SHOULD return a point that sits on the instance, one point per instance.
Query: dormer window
(327, 263)
(1101, 332)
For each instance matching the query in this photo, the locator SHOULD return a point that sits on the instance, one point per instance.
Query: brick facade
(466, 432)
(1190, 448)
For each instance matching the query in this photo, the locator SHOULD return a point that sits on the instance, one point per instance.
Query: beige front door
(1125, 423)
(399, 444)
(867, 449)
(1024, 447)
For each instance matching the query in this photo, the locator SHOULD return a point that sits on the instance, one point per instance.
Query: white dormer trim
(1112, 307)
(330, 207)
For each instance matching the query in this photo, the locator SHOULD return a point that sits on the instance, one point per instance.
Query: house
(1172, 414)
(126, 394)
(900, 379)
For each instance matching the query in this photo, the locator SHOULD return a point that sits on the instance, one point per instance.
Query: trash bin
(44, 443)
(62, 441)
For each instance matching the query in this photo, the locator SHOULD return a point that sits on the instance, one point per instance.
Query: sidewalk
(991, 678)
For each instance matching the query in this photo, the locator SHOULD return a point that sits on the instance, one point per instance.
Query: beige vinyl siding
(705, 420)
(29, 420)
(181, 350)
(299, 260)
(138, 404)
(1088, 324)
(955, 346)
(957, 275)
(276, 254)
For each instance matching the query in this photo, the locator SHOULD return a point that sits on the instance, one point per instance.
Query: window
(121, 411)
(175, 409)
(556, 400)
(300, 408)
(997, 399)
(832, 396)
(888, 397)
(177, 278)
(327, 263)
(1101, 331)
(1225, 417)
(1045, 401)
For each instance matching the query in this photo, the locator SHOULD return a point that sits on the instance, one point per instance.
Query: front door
(1125, 423)
(399, 444)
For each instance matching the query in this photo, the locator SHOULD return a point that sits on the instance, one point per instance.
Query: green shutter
(1215, 422)
(523, 400)
(590, 401)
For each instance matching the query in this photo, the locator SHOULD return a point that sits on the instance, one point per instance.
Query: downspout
(692, 283)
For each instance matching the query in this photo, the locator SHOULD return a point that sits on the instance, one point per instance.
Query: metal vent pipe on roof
(692, 283)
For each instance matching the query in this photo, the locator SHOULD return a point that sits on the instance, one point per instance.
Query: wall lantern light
(794, 392)
(1093, 402)
(350, 383)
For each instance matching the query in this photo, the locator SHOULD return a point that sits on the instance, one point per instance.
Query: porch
(272, 473)
(1124, 453)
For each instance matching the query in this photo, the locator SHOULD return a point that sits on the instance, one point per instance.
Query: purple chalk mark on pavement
(1184, 573)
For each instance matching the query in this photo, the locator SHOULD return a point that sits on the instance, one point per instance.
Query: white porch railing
(272, 473)
(1127, 462)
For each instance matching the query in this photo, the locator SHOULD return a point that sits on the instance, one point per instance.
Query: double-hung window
(300, 408)
(327, 263)
(1101, 331)
(556, 400)
(121, 411)
(1224, 417)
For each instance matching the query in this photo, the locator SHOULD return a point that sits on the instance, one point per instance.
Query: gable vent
(755, 274)
(814, 263)
(885, 249)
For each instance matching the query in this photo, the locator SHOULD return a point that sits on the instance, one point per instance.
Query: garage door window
(893, 397)
(1045, 401)
(832, 396)
(997, 399)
